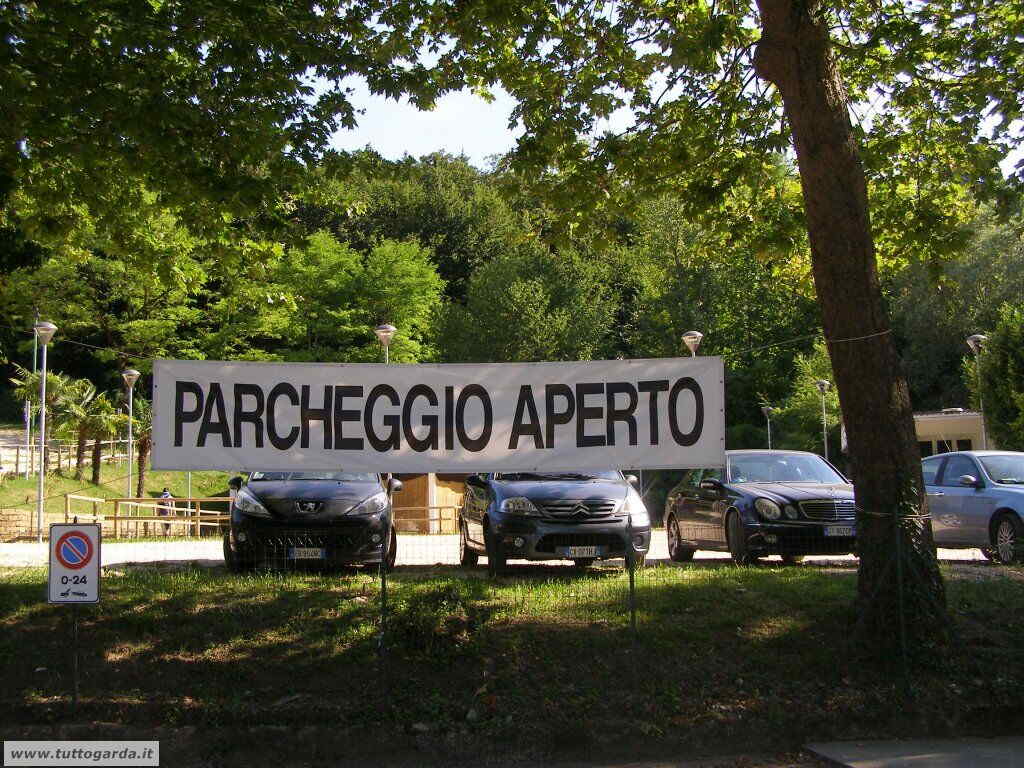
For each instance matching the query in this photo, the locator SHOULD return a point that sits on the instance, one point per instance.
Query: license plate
(580, 551)
(839, 530)
(306, 553)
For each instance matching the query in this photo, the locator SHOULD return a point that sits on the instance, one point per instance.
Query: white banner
(666, 412)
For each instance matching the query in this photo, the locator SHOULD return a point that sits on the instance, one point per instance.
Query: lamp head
(767, 410)
(823, 385)
(130, 376)
(976, 342)
(45, 331)
(385, 333)
(692, 340)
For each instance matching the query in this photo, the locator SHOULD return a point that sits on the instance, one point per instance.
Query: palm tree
(26, 387)
(142, 428)
(73, 414)
(102, 421)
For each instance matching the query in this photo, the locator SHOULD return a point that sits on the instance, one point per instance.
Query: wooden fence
(60, 455)
(436, 519)
(141, 517)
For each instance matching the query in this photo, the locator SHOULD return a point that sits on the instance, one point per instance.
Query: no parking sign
(74, 563)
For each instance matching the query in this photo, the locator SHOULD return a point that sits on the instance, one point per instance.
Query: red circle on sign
(75, 557)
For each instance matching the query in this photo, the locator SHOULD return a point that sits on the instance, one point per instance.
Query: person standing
(164, 508)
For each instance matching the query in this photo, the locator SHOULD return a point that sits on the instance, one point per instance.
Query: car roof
(771, 452)
(975, 453)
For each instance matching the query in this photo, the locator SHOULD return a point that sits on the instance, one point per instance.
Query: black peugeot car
(286, 519)
(787, 503)
(578, 516)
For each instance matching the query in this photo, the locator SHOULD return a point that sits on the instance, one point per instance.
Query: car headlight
(519, 505)
(374, 505)
(768, 509)
(637, 511)
(248, 504)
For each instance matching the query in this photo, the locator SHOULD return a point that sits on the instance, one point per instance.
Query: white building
(951, 429)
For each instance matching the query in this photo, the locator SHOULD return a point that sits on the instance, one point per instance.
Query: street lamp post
(976, 342)
(692, 340)
(767, 410)
(823, 387)
(44, 332)
(385, 333)
(130, 376)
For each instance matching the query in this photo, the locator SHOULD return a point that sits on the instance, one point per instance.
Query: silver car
(976, 499)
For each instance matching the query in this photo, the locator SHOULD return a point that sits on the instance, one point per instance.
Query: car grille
(578, 510)
(829, 510)
(306, 538)
(551, 542)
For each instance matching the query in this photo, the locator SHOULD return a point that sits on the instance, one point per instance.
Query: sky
(461, 124)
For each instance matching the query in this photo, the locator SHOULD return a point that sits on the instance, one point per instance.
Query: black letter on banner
(215, 426)
(181, 416)
(553, 417)
(394, 440)
(281, 390)
(449, 418)
(254, 417)
(583, 413)
(478, 444)
(341, 415)
(323, 415)
(430, 421)
(532, 427)
(653, 388)
(693, 435)
(624, 415)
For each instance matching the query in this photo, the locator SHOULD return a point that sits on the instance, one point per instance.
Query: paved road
(412, 550)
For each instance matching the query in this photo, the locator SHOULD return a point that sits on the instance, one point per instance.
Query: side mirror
(969, 480)
(711, 485)
(235, 483)
(394, 485)
(477, 481)
(633, 480)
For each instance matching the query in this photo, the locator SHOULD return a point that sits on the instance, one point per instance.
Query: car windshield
(338, 477)
(1005, 468)
(608, 475)
(781, 468)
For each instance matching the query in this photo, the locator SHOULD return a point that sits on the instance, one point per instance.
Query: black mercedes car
(578, 516)
(787, 503)
(285, 519)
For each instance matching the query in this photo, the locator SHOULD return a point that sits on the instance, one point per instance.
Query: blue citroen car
(976, 500)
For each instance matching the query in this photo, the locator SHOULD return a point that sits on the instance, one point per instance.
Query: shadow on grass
(723, 655)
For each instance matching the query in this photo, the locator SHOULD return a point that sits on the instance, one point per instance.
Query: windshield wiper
(522, 475)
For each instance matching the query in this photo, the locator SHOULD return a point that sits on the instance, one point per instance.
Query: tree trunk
(143, 459)
(80, 454)
(97, 459)
(900, 594)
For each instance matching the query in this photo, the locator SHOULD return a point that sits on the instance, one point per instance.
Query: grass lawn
(18, 492)
(534, 664)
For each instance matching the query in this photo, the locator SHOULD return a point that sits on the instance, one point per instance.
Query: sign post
(74, 577)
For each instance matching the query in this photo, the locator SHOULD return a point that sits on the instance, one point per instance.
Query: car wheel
(639, 560)
(738, 542)
(583, 562)
(231, 560)
(1009, 539)
(792, 559)
(467, 556)
(676, 550)
(392, 551)
(496, 559)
